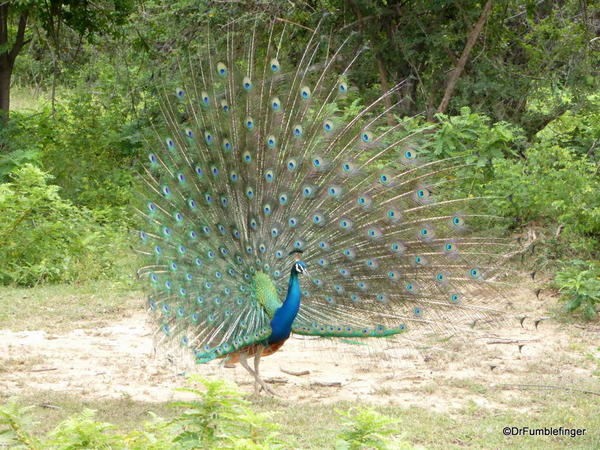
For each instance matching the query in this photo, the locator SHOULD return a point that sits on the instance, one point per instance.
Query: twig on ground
(327, 383)
(295, 372)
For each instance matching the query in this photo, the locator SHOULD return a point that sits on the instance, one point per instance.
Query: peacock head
(299, 267)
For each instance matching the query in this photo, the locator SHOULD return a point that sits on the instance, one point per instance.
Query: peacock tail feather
(254, 157)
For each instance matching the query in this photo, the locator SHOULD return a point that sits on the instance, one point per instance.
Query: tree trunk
(5, 74)
(5, 69)
(8, 56)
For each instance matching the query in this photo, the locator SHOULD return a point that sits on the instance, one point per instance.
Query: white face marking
(300, 269)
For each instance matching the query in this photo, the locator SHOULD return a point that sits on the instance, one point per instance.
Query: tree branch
(455, 75)
(20, 39)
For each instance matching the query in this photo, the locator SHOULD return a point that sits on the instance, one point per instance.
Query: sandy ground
(119, 359)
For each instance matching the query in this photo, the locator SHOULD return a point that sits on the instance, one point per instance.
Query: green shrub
(551, 186)
(549, 181)
(21, 141)
(577, 129)
(89, 144)
(579, 285)
(365, 428)
(218, 418)
(44, 238)
(474, 136)
(90, 152)
(80, 431)
(83, 432)
(14, 426)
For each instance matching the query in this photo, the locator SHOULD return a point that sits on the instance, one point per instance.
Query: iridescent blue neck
(281, 324)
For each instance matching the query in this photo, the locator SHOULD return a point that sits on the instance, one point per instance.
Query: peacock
(274, 203)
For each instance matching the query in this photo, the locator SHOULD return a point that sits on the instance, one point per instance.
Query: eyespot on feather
(221, 69)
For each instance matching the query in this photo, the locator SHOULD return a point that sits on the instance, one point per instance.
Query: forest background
(511, 86)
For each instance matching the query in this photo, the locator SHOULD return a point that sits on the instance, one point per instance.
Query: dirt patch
(119, 360)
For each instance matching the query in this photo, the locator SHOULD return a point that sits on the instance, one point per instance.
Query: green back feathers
(266, 293)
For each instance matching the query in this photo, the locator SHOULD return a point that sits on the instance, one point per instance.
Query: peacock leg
(257, 356)
(257, 380)
(256, 363)
(244, 362)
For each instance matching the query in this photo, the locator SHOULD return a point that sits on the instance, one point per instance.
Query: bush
(90, 152)
(82, 432)
(551, 180)
(218, 418)
(552, 186)
(89, 144)
(579, 285)
(366, 428)
(21, 141)
(44, 238)
(473, 136)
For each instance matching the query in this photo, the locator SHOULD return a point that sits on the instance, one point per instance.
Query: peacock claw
(266, 388)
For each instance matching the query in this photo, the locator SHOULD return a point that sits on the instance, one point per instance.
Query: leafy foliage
(551, 184)
(20, 140)
(473, 136)
(579, 284)
(90, 153)
(366, 428)
(219, 418)
(554, 183)
(533, 61)
(82, 432)
(46, 239)
(14, 424)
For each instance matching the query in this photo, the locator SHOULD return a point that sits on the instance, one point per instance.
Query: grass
(18, 364)
(310, 424)
(65, 307)
(27, 98)
(53, 407)
(314, 426)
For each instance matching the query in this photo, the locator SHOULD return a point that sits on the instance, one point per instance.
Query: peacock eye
(221, 69)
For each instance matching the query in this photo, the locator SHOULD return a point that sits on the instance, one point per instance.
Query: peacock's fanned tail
(254, 157)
